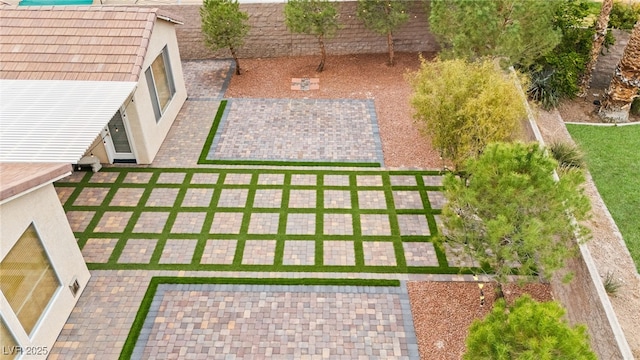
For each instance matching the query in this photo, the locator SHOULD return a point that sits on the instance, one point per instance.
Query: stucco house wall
(148, 135)
(145, 134)
(41, 206)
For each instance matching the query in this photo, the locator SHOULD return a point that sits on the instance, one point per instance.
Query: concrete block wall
(584, 297)
(269, 36)
(586, 304)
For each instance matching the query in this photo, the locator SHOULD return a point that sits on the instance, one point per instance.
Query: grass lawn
(614, 162)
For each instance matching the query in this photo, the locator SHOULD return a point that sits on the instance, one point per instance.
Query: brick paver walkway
(135, 224)
(321, 218)
(282, 220)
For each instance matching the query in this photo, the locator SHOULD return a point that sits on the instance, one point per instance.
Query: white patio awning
(55, 120)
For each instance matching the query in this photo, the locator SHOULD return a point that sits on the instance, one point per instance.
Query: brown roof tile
(75, 42)
(16, 178)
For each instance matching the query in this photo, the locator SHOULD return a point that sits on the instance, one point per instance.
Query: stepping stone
(98, 250)
(379, 253)
(305, 84)
(219, 252)
(339, 253)
(375, 224)
(137, 251)
(226, 223)
(413, 225)
(178, 251)
(420, 254)
(299, 252)
(171, 178)
(151, 222)
(259, 252)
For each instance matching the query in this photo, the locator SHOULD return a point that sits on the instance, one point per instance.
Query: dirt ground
(351, 77)
(583, 109)
(442, 311)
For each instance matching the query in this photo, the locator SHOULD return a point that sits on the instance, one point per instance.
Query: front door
(117, 140)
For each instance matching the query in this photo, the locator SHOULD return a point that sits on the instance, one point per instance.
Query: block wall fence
(269, 37)
(584, 297)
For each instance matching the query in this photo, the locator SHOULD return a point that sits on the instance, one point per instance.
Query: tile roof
(103, 43)
(17, 178)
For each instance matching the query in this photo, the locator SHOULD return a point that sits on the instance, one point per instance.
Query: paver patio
(300, 130)
(179, 219)
(238, 207)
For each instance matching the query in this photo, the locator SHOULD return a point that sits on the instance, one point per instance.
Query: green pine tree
(383, 17)
(511, 215)
(313, 17)
(527, 330)
(515, 30)
(224, 26)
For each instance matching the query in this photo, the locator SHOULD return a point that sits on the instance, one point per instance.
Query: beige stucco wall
(146, 135)
(42, 208)
(98, 150)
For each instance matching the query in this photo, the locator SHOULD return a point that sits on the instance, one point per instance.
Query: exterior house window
(160, 82)
(27, 279)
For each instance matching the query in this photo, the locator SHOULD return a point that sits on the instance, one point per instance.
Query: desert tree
(383, 17)
(527, 330)
(515, 30)
(511, 215)
(599, 36)
(313, 17)
(463, 105)
(625, 83)
(224, 26)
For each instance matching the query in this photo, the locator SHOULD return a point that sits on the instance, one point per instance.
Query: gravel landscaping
(442, 311)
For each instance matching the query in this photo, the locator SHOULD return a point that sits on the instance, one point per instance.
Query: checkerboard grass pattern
(272, 220)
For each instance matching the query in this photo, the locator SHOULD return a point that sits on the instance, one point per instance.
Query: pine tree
(224, 26)
(383, 17)
(313, 17)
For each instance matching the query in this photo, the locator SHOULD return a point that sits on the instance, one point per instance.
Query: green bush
(464, 105)
(527, 330)
(624, 15)
(540, 89)
(562, 69)
(568, 155)
(635, 106)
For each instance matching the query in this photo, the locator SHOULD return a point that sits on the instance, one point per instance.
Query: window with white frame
(27, 279)
(160, 82)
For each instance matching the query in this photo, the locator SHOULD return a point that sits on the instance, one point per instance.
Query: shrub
(611, 284)
(635, 107)
(541, 90)
(624, 15)
(563, 68)
(527, 330)
(568, 155)
(465, 105)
